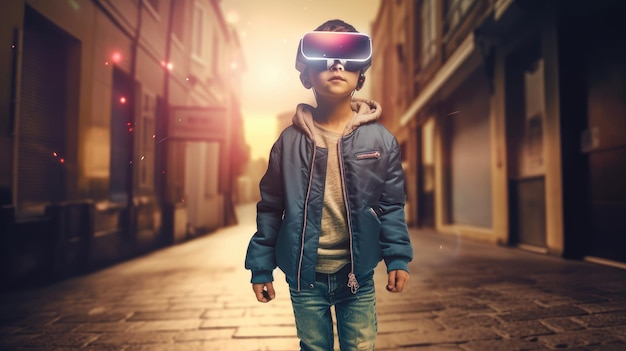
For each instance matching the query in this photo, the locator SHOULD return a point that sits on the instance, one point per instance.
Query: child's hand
(264, 292)
(397, 280)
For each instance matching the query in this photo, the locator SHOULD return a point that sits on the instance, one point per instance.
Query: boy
(332, 199)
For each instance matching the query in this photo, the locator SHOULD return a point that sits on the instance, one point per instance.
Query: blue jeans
(356, 313)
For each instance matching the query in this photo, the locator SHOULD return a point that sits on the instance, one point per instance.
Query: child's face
(333, 82)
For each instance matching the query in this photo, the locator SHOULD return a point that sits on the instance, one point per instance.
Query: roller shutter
(43, 97)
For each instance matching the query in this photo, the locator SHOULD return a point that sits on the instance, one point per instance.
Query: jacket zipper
(306, 205)
(352, 282)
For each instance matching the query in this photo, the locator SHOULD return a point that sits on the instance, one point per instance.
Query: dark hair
(336, 25)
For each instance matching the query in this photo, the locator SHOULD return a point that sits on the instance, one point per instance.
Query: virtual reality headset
(320, 50)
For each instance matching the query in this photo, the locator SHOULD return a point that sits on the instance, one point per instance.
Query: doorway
(426, 175)
(525, 118)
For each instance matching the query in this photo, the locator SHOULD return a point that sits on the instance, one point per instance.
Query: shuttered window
(42, 116)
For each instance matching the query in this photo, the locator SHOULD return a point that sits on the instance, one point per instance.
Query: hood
(365, 111)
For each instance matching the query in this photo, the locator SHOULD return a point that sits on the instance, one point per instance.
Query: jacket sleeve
(394, 236)
(260, 257)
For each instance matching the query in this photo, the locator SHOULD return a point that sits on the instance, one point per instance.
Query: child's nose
(336, 66)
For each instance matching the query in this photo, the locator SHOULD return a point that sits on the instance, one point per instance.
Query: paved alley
(462, 295)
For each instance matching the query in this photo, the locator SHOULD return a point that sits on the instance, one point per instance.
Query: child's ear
(361, 81)
(305, 81)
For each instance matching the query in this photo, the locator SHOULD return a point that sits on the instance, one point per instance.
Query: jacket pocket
(374, 214)
(368, 240)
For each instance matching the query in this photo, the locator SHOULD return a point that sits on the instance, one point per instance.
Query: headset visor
(336, 46)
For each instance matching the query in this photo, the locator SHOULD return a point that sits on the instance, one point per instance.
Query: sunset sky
(269, 32)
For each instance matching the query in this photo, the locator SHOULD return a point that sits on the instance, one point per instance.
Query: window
(215, 56)
(455, 11)
(178, 24)
(428, 32)
(197, 38)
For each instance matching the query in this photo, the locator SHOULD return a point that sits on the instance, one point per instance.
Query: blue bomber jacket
(289, 213)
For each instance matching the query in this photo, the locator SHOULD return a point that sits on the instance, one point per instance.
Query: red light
(122, 100)
(116, 57)
(168, 65)
(61, 159)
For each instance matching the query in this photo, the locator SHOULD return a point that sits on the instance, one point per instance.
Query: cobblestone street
(463, 295)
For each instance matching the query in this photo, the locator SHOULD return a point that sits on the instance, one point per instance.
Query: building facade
(120, 130)
(512, 119)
